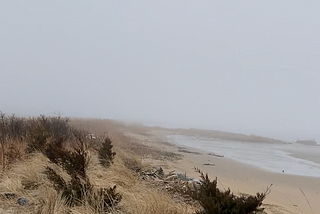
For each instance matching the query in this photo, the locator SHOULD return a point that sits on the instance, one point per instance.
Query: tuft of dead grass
(146, 201)
(13, 151)
(52, 203)
(23, 174)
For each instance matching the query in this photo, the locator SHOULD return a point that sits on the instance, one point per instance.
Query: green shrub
(215, 201)
(105, 153)
(75, 162)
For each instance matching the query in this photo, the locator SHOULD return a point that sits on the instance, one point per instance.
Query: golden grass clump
(52, 202)
(12, 151)
(24, 175)
(143, 200)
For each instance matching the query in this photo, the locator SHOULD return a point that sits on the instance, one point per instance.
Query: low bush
(36, 131)
(75, 162)
(215, 201)
(42, 128)
(12, 130)
(105, 153)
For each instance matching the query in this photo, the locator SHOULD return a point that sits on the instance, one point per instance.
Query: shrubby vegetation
(69, 151)
(213, 200)
(105, 153)
(67, 148)
(75, 161)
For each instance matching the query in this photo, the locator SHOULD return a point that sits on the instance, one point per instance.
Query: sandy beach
(289, 193)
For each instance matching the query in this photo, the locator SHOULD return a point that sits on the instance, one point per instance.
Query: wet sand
(288, 192)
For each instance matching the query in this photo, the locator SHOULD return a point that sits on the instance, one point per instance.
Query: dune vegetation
(82, 166)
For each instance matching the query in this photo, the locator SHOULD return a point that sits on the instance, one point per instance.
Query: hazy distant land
(218, 135)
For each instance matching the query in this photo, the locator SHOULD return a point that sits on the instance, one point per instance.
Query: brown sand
(285, 197)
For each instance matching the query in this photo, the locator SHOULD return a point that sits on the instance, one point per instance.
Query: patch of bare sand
(286, 196)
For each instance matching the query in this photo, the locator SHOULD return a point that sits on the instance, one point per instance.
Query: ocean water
(293, 158)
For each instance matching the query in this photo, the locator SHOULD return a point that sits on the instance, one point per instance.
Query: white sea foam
(295, 159)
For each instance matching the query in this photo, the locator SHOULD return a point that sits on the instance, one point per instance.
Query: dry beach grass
(137, 149)
(25, 177)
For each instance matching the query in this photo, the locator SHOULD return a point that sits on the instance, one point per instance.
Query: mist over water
(294, 159)
(246, 66)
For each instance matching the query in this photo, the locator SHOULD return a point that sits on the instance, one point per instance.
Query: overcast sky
(242, 66)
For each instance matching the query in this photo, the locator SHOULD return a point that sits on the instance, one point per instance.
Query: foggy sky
(242, 66)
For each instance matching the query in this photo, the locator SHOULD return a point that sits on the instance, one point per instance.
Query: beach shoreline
(289, 193)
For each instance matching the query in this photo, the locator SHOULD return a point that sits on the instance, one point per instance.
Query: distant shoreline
(240, 177)
(277, 158)
(217, 135)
